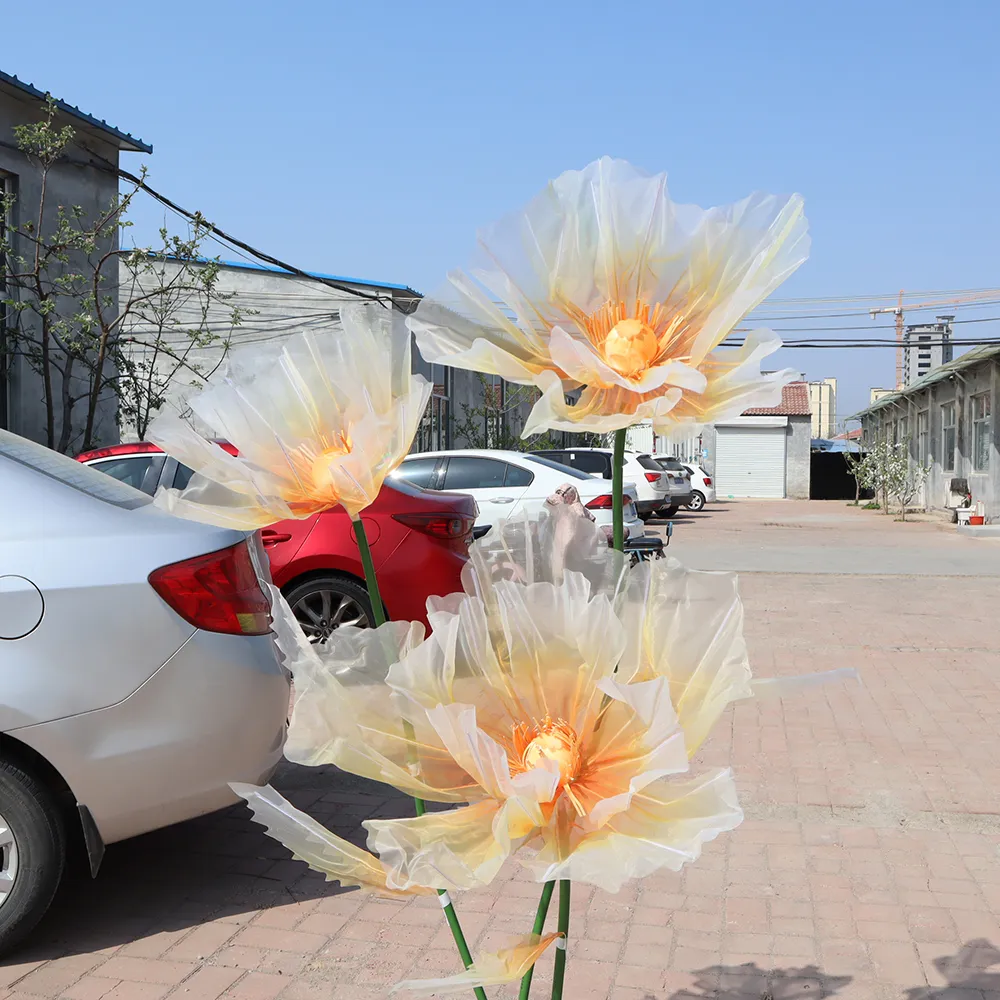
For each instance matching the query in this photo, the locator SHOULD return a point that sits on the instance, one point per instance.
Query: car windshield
(671, 463)
(69, 472)
(564, 469)
(648, 462)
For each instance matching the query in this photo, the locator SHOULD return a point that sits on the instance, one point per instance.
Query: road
(868, 866)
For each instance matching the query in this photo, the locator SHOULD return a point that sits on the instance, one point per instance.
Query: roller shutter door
(750, 462)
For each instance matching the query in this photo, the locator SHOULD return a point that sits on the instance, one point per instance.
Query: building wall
(74, 181)
(798, 460)
(823, 403)
(277, 305)
(900, 421)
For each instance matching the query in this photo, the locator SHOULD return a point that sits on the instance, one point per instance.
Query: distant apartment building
(823, 403)
(926, 346)
(876, 394)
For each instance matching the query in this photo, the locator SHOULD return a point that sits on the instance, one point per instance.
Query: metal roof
(984, 352)
(364, 282)
(123, 140)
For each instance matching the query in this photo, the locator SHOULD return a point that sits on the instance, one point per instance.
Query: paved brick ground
(868, 865)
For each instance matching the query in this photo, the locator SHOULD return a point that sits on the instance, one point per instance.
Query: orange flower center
(547, 741)
(630, 347)
(321, 476)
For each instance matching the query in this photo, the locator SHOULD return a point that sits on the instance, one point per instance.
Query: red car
(419, 541)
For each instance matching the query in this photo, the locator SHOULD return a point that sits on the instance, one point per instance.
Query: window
(466, 472)
(434, 433)
(69, 472)
(417, 471)
(516, 476)
(182, 477)
(554, 461)
(948, 437)
(982, 437)
(132, 470)
(922, 437)
(671, 465)
(650, 463)
(591, 461)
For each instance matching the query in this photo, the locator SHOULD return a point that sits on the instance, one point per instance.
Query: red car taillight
(652, 476)
(217, 592)
(604, 502)
(447, 527)
(708, 480)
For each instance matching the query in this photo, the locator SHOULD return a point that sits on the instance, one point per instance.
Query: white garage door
(750, 462)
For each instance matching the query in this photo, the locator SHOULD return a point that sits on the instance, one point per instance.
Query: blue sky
(373, 139)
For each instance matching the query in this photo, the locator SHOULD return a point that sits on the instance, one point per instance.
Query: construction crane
(898, 312)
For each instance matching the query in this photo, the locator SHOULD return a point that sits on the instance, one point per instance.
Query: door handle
(269, 537)
(502, 500)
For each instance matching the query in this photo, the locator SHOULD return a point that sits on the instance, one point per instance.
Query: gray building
(275, 304)
(765, 452)
(949, 420)
(85, 176)
(926, 346)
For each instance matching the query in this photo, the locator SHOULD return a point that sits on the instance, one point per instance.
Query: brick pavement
(868, 865)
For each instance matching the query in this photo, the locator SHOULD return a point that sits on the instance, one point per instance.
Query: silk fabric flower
(512, 707)
(318, 422)
(603, 283)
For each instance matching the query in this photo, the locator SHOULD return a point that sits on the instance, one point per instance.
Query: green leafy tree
(96, 342)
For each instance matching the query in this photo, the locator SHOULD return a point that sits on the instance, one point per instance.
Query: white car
(653, 486)
(702, 488)
(504, 483)
(139, 673)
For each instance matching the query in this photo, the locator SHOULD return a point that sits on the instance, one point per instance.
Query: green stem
(378, 610)
(378, 618)
(559, 971)
(536, 930)
(617, 503)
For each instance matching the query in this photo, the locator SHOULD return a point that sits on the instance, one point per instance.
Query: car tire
(697, 501)
(645, 517)
(668, 511)
(33, 852)
(323, 603)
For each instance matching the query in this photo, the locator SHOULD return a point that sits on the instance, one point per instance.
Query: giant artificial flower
(317, 422)
(530, 706)
(602, 282)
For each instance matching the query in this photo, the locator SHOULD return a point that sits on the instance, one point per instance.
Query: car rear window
(648, 462)
(71, 473)
(558, 467)
(672, 464)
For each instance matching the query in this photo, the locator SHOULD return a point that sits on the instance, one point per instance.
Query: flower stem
(378, 611)
(617, 500)
(559, 971)
(536, 930)
(378, 618)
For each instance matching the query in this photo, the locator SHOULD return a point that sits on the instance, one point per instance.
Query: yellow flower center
(321, 476)
(547, 741)
(630, 347)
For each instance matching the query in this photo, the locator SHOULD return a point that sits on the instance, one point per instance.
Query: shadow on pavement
(747, 981)
(218, 866)
(966, 971)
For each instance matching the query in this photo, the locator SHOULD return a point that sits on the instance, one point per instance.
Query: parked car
(657, 493)
(504, 483)
(139, 673)
(702, 487)
(419, 542)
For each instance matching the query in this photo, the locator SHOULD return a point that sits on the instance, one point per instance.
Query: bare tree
(70, 321)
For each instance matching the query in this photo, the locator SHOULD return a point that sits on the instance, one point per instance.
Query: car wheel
(697, 501)
(645, 517)
(324, 604)
(32, 853)
(669, 511)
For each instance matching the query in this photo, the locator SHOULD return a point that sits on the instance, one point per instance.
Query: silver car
(139, 676)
